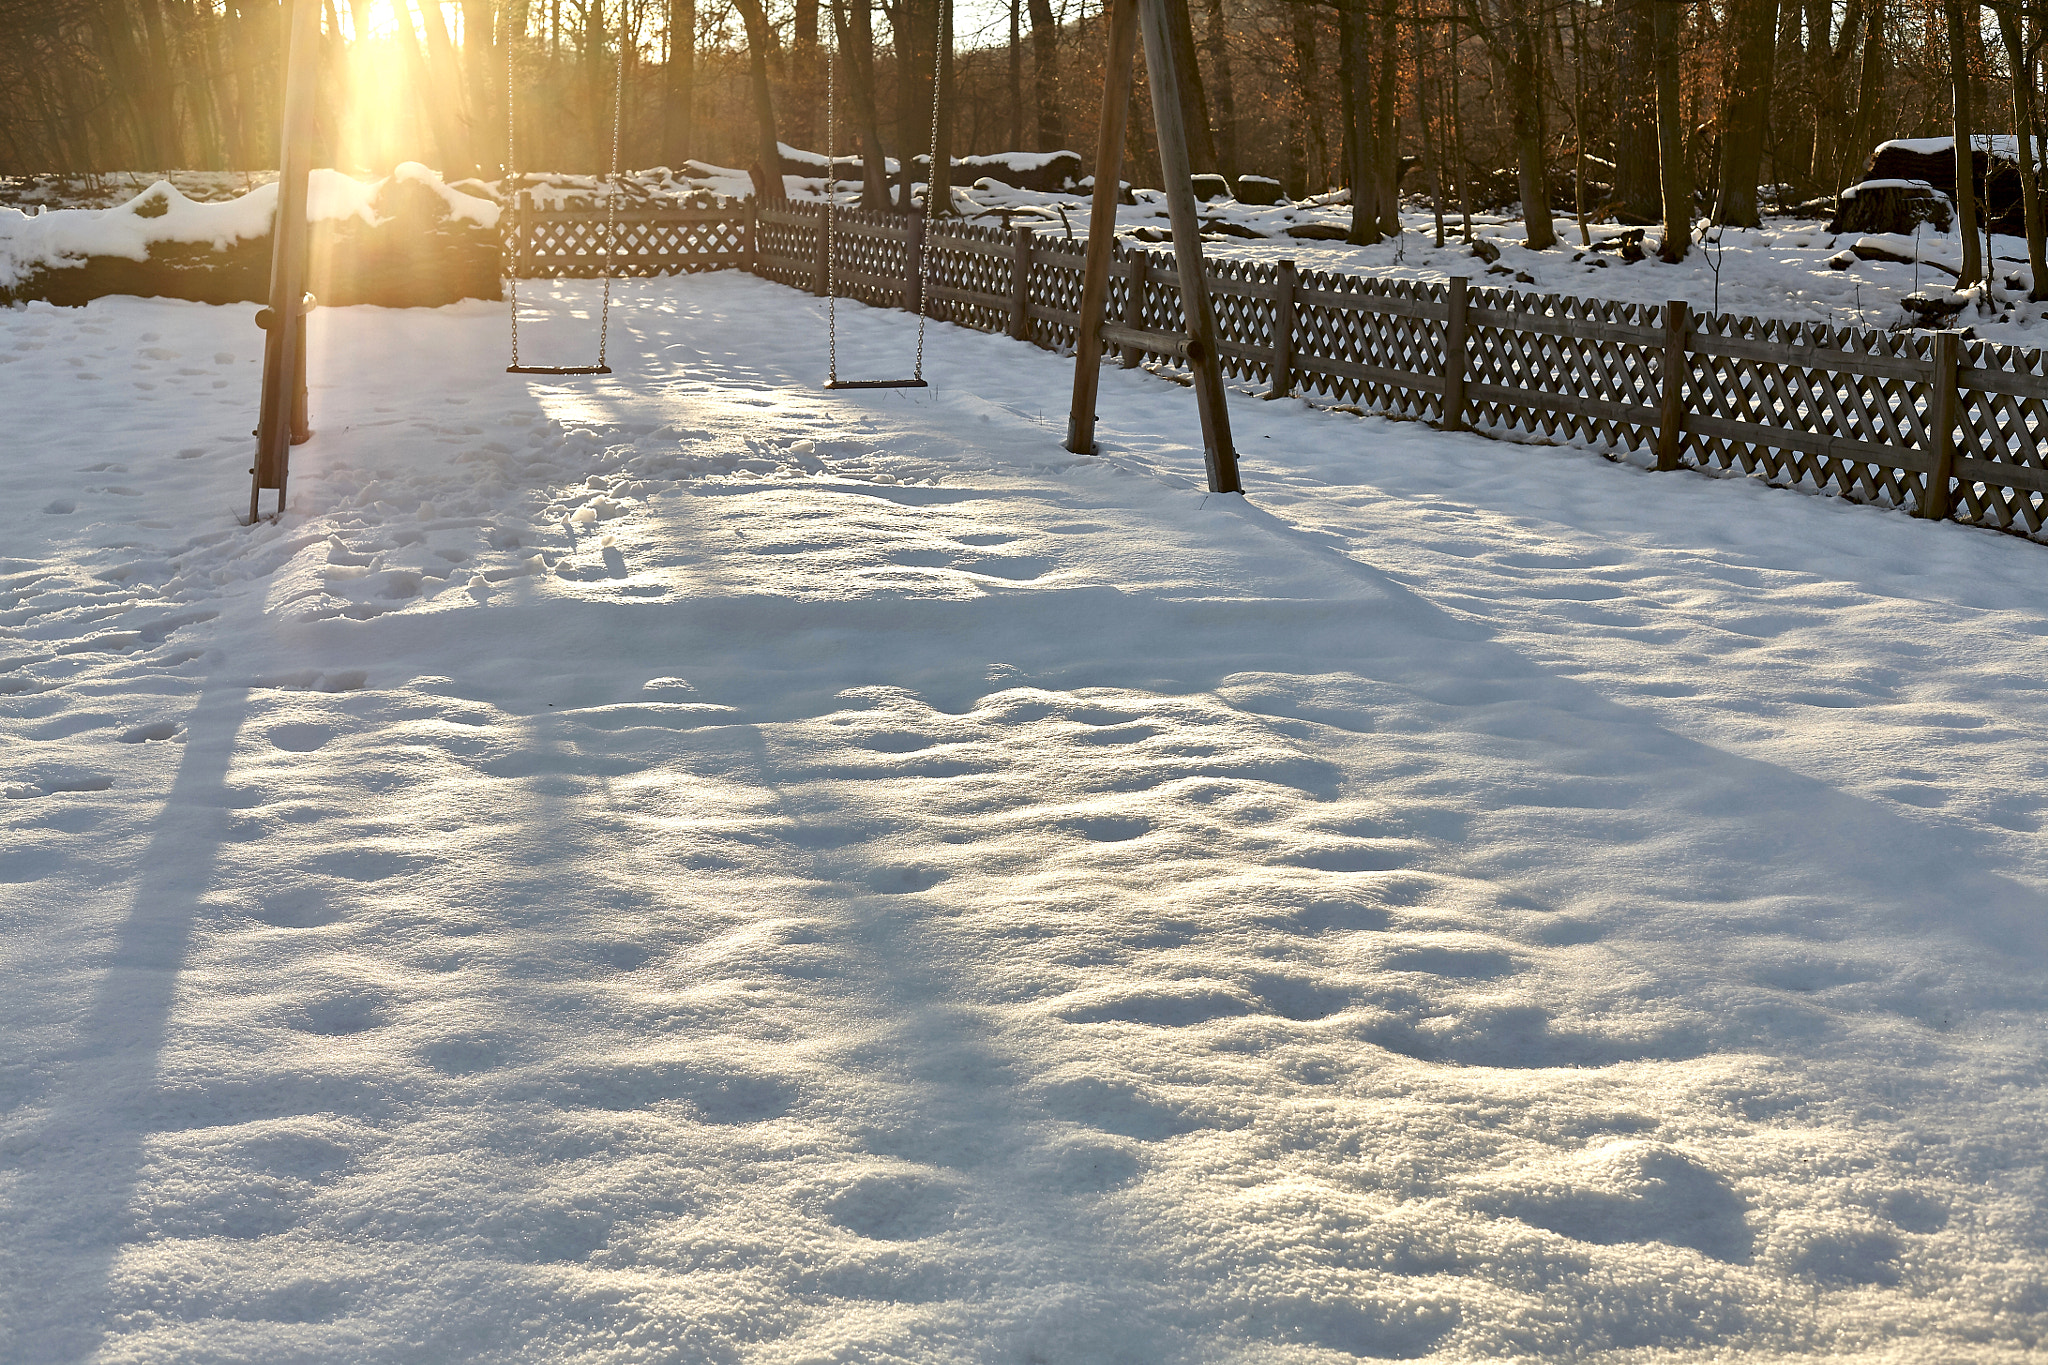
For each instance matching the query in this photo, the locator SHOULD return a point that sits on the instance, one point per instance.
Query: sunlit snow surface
(689, 867)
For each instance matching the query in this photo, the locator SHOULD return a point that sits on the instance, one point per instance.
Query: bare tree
(1754, 25)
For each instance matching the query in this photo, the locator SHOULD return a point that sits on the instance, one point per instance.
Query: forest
(1637, 111)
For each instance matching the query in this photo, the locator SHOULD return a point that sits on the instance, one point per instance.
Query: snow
(686, 866)
(1852, 191)
(1020, 161)
(1997, 144)
(1780, 271)
(65, 238)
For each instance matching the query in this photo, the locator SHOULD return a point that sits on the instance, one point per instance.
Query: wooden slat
(2002, 475)
(1243, 289)
(1578, 329)
(1307, 368)
(846, 232)
(1811, 357)
(1912, 460)
(972, 297)
(2002, 381)
(847, 275)
(1159, 343)
(1622, 414)
(595, 217)
(970, 246)
(1309, 296)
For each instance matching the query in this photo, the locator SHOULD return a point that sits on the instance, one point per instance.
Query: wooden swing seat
(876, 384)
(558, 369)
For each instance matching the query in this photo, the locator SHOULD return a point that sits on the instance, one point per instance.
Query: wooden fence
(1921, 421)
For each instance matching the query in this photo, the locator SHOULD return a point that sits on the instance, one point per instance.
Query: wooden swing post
(284, 328)
(1109, 165)
(1197, 345)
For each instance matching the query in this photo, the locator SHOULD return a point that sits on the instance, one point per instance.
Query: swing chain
(941, 36)
(831, 198)
(611, 217)
(512, 181)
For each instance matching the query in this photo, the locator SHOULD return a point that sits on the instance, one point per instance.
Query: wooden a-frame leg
(1168, 118)
(1109, 161)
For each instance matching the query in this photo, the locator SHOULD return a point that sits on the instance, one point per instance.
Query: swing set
(931, 211)
(832, 379)
(281, 420)
(611, 218)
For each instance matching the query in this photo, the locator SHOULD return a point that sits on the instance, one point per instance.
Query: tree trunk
(1520, 50)
(1045, 75)
(2017, 58)
(1869, 92)
(802, 107)
(1387, 116)
(1013, 133)
(1304, 159)
(1827, 54)
(158, 103)
(1218, 41)
(759, 39)
(1458, 133)
(124, 61)
(1361, 156)
(1755, 41)
(458, 161)
(939, 189)
(1635, 111)
(1430, 144)
(1673, 175)
(477, 65)
(913, 89)
(1194, 103)
(1966, 171)
(856, 32)
(679, 98)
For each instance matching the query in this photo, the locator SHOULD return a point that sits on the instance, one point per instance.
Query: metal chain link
(931, 198)
(512, 179)
(611, 218)
(831, 197)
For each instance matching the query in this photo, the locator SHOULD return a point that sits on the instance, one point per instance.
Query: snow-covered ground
(1781, 271)
(689, 867)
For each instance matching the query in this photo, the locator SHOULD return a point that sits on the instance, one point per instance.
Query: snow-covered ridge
(67, 238)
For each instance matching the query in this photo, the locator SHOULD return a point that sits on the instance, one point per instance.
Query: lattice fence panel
(1158, 305)
(979, 259)
(1572, 369)
(1056, 292)
(786, 244)
(1831, 398)
(2003, 418)
(1345, 322)
(1243, 320)
(872, 257)
(552, 244)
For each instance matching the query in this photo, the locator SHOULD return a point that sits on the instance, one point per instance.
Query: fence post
(1020, 284)
(751, 243)
(1134, 303)
(1671, 407)
(1284, 280)
(913, 267)
(1455, 304)
(1941, 428)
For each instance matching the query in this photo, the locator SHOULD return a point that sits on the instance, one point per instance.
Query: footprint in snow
(906, 880)
(300, 737)
(894, 1206)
